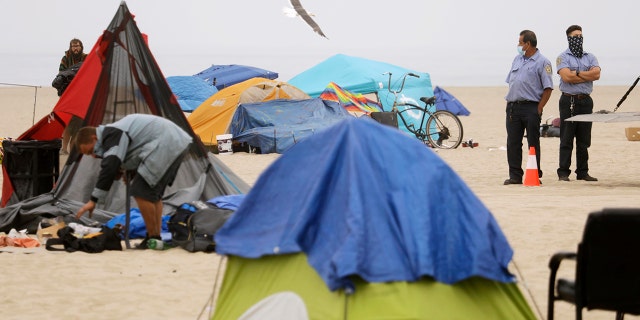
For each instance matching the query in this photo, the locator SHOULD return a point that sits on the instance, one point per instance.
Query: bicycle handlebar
(404, 77)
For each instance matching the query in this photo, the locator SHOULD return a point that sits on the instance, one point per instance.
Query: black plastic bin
(33, 166)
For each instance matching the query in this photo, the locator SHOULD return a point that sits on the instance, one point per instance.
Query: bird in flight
(298, 10)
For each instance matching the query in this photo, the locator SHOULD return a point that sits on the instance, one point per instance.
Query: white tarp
(607, 117)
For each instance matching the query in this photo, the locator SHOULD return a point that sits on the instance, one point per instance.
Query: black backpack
(194, 224)
(64, 77)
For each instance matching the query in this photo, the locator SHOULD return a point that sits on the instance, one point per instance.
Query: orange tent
(213, 116)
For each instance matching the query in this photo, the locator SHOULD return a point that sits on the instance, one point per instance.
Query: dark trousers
(521, 117)
(578, 130)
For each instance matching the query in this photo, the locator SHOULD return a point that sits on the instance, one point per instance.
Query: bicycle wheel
(444, 130)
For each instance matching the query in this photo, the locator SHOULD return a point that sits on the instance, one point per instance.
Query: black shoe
(142, 245)
(587, 178)
(512, 181)
(563, 178)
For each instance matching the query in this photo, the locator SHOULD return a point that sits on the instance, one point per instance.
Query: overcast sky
(459, 43)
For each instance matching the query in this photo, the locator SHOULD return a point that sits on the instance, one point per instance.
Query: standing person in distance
(74, 55)
(578, 70)
(530, 85)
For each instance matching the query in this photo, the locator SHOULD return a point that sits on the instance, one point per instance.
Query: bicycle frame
(411, 126)
(438, 128)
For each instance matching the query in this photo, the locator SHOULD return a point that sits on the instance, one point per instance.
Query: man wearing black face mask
(577, 70)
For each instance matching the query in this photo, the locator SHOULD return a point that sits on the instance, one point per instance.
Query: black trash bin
(33, 166)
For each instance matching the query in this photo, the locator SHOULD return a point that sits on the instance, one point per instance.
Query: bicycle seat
(428, 100)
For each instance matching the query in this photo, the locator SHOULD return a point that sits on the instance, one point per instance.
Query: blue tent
(446, 101)
(363, 199)
(191, 91)
(276, 125)
(225, 75)
(359, 75)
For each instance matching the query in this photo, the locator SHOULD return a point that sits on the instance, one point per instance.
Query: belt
(523, 102)
(577, 96)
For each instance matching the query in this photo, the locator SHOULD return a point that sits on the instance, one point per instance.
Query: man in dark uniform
(530, 84)
(577, 70)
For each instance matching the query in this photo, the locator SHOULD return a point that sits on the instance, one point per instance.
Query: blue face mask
(520, 51)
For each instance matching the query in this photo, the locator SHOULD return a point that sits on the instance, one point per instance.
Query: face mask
(520, 51)
(575, 46)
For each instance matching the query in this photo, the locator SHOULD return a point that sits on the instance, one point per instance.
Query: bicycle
(440, 129)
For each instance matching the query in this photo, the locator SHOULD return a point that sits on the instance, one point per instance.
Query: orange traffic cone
(531, 178)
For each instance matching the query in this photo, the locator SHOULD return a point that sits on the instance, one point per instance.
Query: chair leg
(578, 312)
(619, 315)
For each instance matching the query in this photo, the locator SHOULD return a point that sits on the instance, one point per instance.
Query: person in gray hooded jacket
(136, 143)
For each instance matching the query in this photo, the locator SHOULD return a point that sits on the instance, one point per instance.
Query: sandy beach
(176, 284)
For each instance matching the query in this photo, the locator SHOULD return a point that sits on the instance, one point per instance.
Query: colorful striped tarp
(352, 102)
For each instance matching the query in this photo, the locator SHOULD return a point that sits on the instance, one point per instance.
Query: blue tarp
(225, 75)
(137, 228)
(191, 91)
(361, 198)
(446, 101)
(276, 125)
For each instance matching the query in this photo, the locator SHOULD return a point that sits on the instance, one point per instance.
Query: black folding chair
(607, 266)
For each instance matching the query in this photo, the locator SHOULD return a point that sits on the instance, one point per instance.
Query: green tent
(255, 289)
(333, 231)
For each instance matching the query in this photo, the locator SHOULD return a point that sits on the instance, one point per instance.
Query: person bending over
(135, 144)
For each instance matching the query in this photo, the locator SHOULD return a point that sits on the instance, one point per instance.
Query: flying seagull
(306, 16)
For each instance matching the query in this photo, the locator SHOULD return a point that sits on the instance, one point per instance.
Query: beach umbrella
(446, 101)
(222, 76)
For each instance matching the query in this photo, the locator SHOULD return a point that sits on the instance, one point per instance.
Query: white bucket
(224, 143)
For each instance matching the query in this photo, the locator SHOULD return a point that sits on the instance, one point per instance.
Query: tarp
(606, 117)
(355, 103)
(226, 75)
(360, 75)
(358, 222)
(360, 198)
(446, 101)
(118, 77)
(191, 91)
(275, 126)
(213, 116)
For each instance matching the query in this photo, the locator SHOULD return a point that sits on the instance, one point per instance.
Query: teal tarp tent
(365, 76)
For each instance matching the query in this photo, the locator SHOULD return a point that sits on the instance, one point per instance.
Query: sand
(176, 284)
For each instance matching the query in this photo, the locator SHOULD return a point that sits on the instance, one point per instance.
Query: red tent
(120, 77)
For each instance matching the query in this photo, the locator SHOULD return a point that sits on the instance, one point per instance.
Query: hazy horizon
(459, 43)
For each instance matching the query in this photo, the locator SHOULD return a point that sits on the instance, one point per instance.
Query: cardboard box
(633, 134)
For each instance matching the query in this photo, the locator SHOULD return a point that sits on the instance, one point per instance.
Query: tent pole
(128, 209)
(626, 94)
(35, 97)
